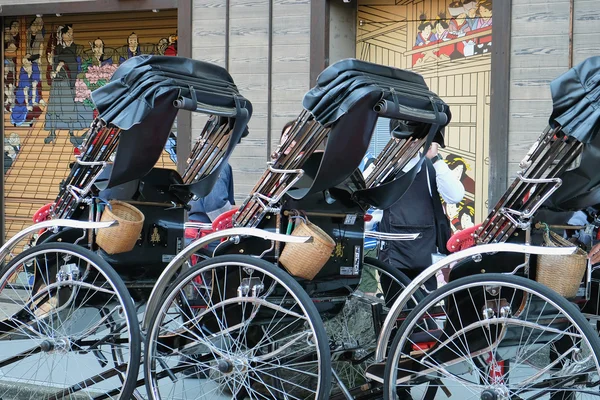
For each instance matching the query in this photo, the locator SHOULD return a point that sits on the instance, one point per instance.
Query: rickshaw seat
(224, 221)
(42, 214)
(462, 239)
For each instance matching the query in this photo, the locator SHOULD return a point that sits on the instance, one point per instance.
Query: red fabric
(462, 239)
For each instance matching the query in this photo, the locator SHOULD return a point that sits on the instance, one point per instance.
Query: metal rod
(288, 213)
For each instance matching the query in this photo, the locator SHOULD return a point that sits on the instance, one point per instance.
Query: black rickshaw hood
(139, 99)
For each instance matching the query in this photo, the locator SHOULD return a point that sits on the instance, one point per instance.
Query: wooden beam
(319, 38)
(499, 108)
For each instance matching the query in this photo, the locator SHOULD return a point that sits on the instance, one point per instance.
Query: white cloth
(449, 187)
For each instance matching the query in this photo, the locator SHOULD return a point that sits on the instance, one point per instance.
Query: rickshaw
(508, 325)
(237, 323)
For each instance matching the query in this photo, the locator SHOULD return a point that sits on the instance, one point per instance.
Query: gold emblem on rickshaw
(155, 236)
(339, 250)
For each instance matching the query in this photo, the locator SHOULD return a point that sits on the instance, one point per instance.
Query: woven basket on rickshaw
(563, 274)
(305, 260)
(120, 238)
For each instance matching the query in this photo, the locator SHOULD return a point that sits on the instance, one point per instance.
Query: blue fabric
(19, 112)
(221, 193)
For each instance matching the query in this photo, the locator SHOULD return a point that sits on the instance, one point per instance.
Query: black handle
(389, 109)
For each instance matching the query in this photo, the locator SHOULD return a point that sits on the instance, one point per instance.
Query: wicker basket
(305, 260)
(120, 238)
(563, 274)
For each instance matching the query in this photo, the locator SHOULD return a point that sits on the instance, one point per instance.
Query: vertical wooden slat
(184, 49)
(270, 81)
(499, 109)
(319, 38)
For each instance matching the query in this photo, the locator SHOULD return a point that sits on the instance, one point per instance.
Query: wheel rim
(495, 340)
(67, 327)
(240, 331)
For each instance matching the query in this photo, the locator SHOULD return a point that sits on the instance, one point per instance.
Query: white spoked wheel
(236, 327)
(494, 337)
(68, 328)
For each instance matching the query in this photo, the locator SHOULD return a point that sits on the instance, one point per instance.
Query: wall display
(51, 66)
(449, 43)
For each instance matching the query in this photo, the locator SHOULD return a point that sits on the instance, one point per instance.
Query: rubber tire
(118, 284)
(568, 307)
(283, 277)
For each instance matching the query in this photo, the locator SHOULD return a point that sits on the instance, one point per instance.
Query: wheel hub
(489, 394)
(55, 345)
(499, 392)
(225, 366)
(236, 365)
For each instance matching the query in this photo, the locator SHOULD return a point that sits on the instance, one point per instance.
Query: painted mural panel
(51, 66)
(449, 44)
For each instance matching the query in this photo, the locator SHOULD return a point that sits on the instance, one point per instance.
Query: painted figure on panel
(162, 45)
(458, 26)
(134, 48)
(459, 166)
(471, 10)
(466, 216)
(49, 53)
(98, 55)
(171, 49)
(9, 84)
(425, 31)
(26, 108)
(485, 14)
(461, 215)
(452, 211)
(12, 147)
(12, 38)
(63, 113)
(35, 47)
(440, 27)
(11, 46)
(35, 38)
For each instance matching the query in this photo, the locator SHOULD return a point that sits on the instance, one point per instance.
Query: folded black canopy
(576, 110)
(143, 98)
(349, 97)
(576, 101)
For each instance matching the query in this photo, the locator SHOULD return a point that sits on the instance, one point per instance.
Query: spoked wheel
(496, 337)
(354, 331)
(237, 327)
(68, 328)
